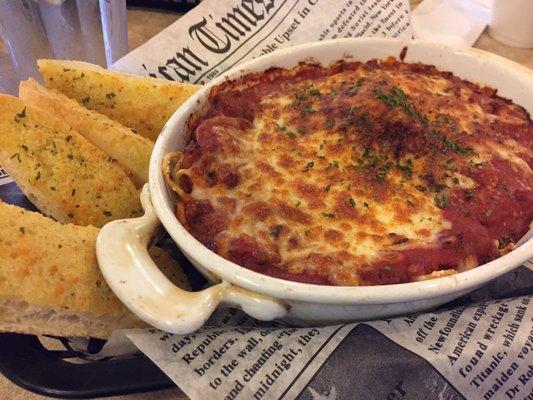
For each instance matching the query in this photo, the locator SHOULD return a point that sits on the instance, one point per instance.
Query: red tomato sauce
(497, 211)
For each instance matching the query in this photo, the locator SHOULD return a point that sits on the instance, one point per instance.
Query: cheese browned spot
(357, 174)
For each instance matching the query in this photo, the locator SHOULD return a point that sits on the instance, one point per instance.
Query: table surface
(142, 25)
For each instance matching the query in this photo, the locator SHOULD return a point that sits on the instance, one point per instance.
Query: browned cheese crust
(356, 174)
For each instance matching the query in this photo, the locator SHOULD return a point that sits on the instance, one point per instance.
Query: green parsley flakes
(309, 165)
(442, 200)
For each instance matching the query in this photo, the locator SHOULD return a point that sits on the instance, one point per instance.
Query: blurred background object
(88, 30)
(511, 22)
(461, 22)
(453, 22)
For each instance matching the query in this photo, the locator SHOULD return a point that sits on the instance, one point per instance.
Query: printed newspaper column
(246, 362)
(4, 177)
(485, 351)
(217, 35)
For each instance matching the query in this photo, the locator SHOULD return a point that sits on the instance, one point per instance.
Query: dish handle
(122, 252)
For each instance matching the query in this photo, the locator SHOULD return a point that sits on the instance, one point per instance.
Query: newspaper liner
(4, 177)
(217, 35)
(482, 350)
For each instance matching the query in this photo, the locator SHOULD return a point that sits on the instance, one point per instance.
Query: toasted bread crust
(50, 282)
(132, 151)
(62, 173)
(142, 103)
(46, 263)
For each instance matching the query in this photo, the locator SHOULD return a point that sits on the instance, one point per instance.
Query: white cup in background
(511, 22)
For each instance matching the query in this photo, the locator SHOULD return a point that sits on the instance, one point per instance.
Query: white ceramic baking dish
(122, 245)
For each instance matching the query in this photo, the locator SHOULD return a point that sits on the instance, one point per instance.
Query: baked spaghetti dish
(369, 173)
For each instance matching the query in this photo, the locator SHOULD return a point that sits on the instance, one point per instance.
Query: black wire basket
(70, 374)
